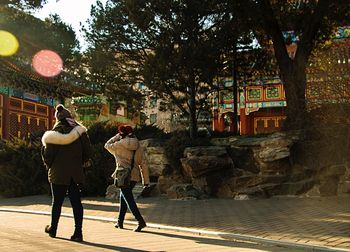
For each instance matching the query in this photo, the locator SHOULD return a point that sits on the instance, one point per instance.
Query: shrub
(98, 177)
(100, 132)
(21, 171)
(217, 134)
(150, 131)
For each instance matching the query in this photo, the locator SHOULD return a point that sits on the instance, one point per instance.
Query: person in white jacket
(123, 147)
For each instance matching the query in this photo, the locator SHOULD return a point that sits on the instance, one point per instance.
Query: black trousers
(58, 194)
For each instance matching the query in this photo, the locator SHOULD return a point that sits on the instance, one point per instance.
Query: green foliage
(24, 4)
(216, 134)
(100, 132)
(33, 35)
(150, 131)
(312, 22)
(175, 48)
(108, 61)
(175, 146)
(98, 177)
(326, 141)
(21, 169)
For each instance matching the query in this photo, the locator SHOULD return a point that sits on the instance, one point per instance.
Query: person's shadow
(106, 246)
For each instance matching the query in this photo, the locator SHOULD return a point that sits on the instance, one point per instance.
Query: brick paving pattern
(24, 232)
(313, 221)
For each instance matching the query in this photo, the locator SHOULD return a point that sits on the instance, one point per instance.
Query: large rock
(269, 154)
(152, 142)
(168, 180)
(155, 157)
(210, 183)
(296, 188)
(206, 166)
(224, 141)
(250, 184)
(258, 191)
(196, 166)
(330, 180)
(266, 166)
(218, 151)
(202, 160)
(243, 158)
(275, 148)
(249, 167)
(263, 155)
(344, 182)
(185, 191)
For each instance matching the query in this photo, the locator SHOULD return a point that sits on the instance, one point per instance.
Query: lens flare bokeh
(47, 63)
(8, 43)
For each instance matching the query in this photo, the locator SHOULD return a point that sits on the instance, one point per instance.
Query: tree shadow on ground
(221, 242)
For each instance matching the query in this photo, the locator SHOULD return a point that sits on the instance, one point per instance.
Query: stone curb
(224, 235)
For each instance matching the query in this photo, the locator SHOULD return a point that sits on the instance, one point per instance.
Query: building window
(152, 118)
(153, 102)
(254, 94)
(162, 106)
(272, 93)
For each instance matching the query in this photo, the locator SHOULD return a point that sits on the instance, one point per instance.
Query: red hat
(125, 129)
(121, 129)
(128, 129)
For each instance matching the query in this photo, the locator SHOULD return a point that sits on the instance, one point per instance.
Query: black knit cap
(62, 112)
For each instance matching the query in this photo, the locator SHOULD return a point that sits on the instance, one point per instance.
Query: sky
(72, 12)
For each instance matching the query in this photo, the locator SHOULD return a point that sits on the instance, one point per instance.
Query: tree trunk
(294, 80)
(293, 71)
(193, 113)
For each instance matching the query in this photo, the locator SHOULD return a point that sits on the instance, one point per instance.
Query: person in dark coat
(65, 148)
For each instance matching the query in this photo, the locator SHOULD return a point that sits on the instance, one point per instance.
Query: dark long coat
(64, 151)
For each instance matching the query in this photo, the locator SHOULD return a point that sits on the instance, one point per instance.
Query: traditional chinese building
(27, 101)
(262, 102)
(261, 107)
(93, 108)
(23, 113)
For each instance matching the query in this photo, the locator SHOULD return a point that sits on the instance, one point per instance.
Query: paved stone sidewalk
(24, 232)
(323, 222)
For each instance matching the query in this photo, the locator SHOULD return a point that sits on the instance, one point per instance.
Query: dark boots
(119, 224)
(77, 236)
(140, 226)
(51, 231)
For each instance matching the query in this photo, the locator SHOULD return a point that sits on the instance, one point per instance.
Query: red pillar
(5, 117)
(232, 121)
(216, 120)
(221, 123)
(244, 122)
